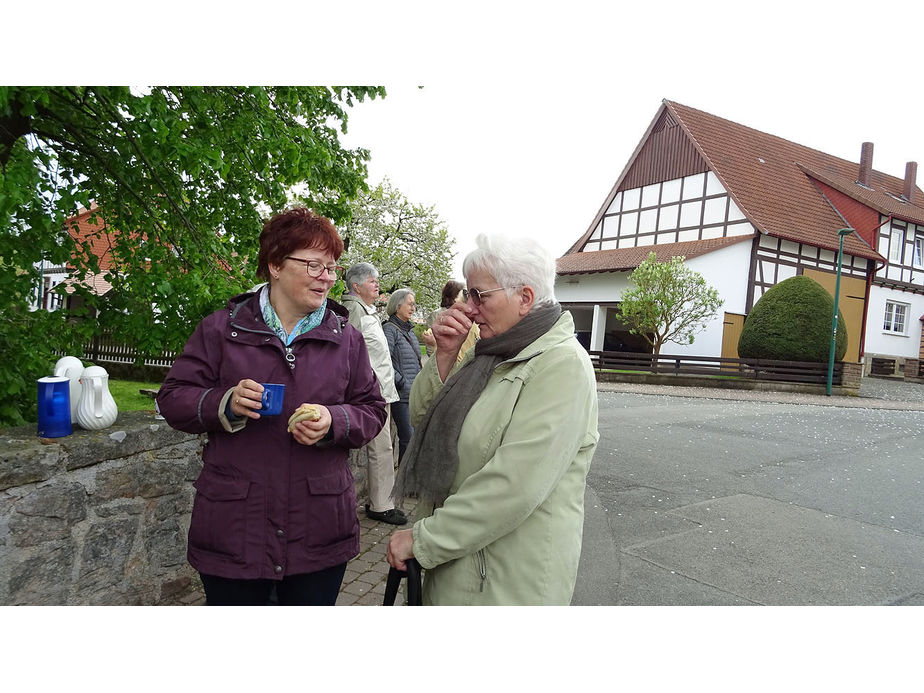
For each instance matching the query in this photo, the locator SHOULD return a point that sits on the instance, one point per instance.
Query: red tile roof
(622, 259)
(765, 175)
(770, 179)
(877, 199)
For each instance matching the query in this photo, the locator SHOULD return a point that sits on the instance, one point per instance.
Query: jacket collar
(403, 324)
(352, 298)
(244, 311)
(562, 330)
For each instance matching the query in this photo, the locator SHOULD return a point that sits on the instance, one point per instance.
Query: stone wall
(98, 517)
(101, 517)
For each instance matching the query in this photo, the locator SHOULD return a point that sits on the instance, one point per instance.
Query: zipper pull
(482, 567)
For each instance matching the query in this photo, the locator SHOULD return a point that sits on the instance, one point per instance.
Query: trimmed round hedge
(792, 322)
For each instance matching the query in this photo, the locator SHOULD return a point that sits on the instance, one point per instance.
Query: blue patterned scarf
(309, 322)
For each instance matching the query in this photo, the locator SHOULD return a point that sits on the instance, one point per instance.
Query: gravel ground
(875, 393)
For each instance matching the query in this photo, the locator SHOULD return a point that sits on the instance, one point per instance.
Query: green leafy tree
(185, 175)
(667, 302)
(408, 243)
(792, 322)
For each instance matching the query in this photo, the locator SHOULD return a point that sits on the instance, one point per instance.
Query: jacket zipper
(482, 568)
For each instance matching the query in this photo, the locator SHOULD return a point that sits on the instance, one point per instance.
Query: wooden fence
(755, 369)
(108, 349)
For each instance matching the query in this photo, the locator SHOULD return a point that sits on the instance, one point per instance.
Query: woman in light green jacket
(502, 441)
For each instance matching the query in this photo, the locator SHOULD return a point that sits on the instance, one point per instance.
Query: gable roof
(770, 179)
(621, 259)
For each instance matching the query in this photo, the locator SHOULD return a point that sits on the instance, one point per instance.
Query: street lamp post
(837, 292)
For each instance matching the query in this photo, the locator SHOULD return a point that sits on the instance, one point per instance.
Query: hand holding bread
(305, 412)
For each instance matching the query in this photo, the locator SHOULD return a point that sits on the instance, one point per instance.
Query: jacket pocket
(219, 516)
(328, 514)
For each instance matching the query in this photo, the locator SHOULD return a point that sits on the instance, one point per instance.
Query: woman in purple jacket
(274, 506)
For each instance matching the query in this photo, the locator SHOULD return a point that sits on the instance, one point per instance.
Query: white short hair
(359, 273)
(514, 262)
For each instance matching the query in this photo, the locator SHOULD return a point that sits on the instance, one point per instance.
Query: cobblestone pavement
(365, 577)
(892, 389)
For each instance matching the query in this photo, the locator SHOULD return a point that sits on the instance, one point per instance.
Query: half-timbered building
(747, 210)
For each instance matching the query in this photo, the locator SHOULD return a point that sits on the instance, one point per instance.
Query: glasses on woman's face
(316, 269)
(476, 295)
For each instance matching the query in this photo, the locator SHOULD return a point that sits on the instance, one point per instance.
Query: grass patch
(126, 395)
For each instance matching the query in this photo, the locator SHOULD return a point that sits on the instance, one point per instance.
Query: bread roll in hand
(306, 412)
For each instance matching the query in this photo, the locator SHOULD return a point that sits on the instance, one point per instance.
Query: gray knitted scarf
(432, 458)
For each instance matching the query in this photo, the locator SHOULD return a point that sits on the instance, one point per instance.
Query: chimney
(866, 163)
(911, 174)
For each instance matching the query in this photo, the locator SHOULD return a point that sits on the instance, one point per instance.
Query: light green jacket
(510, 530)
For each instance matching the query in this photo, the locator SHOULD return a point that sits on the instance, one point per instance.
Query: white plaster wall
(888, 343)
(725, 269)
(602, 288)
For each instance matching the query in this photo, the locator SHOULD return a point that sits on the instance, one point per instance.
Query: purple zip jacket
(267, 506)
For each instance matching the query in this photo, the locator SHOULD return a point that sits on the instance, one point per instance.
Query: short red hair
(293, 230)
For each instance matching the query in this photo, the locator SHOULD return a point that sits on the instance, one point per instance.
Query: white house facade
(748, 210)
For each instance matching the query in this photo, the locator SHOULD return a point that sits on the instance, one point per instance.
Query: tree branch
(12, 127)
(90, 151)
(153, 172)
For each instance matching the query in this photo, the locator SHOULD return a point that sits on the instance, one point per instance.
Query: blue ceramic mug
(272, 399)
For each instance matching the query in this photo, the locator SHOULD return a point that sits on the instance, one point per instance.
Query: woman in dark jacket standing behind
(405, 357)
(275, 505)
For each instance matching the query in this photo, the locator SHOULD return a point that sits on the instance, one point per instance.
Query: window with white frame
(894, 320)
(895, 248)
(919, 250)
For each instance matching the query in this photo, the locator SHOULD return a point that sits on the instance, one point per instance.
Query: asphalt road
(700, 501)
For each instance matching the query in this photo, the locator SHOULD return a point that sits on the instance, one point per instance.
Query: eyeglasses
(476, 295)
(315, 268)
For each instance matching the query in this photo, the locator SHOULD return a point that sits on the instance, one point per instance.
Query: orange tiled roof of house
(621, 259)
(768, 177)
(878, 199)
(773, 181)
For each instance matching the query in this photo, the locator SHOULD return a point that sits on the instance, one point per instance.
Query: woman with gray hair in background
(405, 358)
(504, 440)
(362, 280)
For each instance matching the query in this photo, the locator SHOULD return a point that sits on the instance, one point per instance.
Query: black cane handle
(413, 583)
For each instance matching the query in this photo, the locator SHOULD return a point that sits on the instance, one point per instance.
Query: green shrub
(792, 322)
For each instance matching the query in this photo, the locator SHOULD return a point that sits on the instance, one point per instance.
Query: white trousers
(380, 471)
